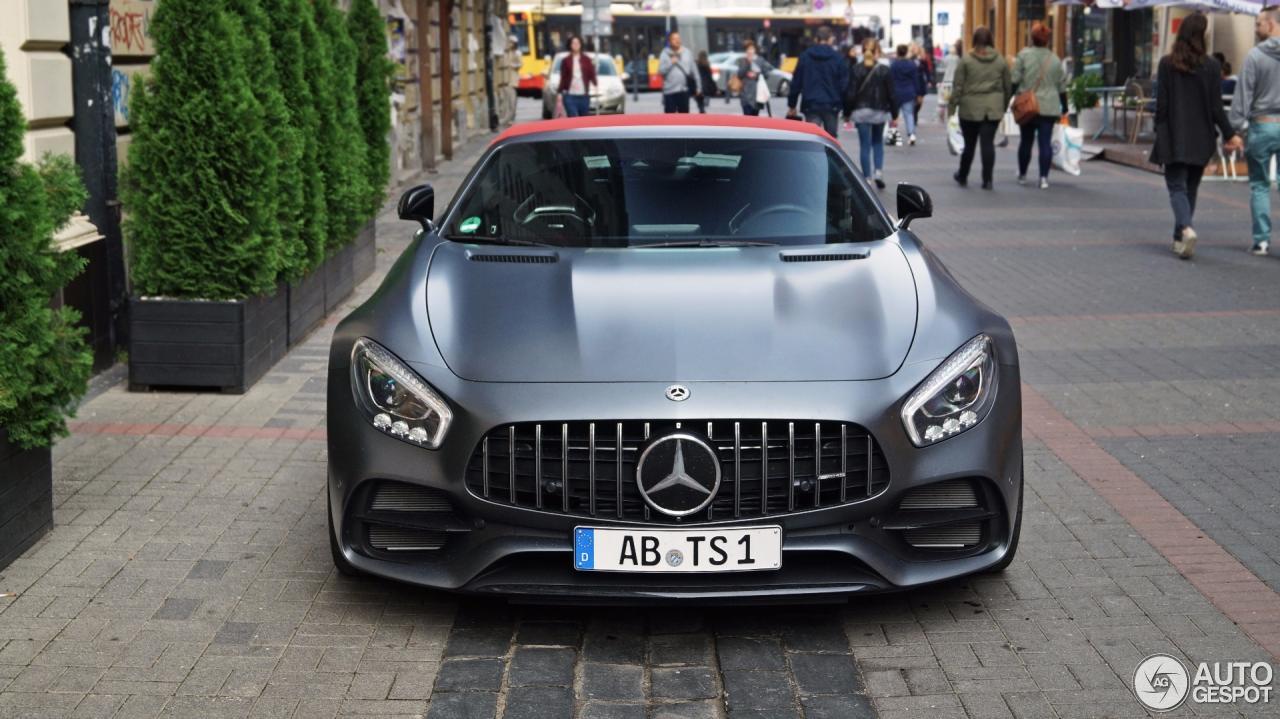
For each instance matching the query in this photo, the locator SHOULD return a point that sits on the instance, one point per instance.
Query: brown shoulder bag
(1026, 107)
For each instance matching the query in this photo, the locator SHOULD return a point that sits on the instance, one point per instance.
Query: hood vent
(826, 257)
(517, 259)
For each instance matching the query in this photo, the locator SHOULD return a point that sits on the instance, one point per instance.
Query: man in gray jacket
(1256, 108)
(679, 75)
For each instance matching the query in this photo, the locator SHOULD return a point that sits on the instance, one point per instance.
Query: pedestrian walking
(679, 74)
(1038, 72)
(752, 70)
(908, 88)
(1255, 110)
(706, 82)
(1189, 115)
(949, 65)
(820, 78)
(577, 75)
(870, 95)
(511, 61)
(853, 56)
(981, 91)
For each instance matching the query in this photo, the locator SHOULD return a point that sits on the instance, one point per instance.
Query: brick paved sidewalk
(189, 575)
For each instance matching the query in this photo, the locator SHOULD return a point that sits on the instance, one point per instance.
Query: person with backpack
(752, 70)
(680, 79)
(980, 93)
(1040, 101)
(1189, 116)
(871, 99)
(821, 77)
(908, 88)
(1255, 110)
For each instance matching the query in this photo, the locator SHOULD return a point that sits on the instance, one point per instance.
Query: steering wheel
(780, 208)
(555, 217)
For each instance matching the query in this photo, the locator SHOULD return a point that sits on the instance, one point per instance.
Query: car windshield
(719, 58)
(605, 67)
(669, 192)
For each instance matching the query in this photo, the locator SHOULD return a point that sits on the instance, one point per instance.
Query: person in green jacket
(1037, 69)
(980, 92)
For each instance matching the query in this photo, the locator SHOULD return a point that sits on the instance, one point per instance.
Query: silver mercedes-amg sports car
(671, 357)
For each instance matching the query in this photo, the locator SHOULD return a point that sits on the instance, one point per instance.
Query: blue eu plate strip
(584, 548)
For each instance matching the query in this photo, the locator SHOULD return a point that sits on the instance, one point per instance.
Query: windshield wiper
(708, 243)
(487, 240)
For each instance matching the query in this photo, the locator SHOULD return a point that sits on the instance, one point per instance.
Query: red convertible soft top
(656, 120)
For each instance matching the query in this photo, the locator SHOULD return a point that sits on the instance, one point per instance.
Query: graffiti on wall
(123, 79)
(131, 27)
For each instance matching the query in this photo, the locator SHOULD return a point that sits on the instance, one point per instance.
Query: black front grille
(588, 469)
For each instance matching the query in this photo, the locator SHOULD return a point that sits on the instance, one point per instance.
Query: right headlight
(395, 399)
(955, 397)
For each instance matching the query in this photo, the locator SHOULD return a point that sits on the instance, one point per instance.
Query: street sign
(597, 18)
(944, 19)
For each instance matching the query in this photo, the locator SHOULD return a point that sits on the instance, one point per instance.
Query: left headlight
(394, 399)
(955, 397)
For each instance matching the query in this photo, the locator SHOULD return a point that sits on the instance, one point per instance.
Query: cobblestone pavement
(189, 575)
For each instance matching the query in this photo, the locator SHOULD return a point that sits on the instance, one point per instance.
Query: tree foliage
(286, 192)
(44, 361)
(373, 94)
(201, 218)
(289, 21)
(344, 155)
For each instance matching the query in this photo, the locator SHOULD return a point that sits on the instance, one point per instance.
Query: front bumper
(827, 553)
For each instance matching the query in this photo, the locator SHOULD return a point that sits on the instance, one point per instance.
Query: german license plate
(608, 549)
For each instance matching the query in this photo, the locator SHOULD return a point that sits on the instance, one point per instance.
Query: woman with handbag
(1189, 118)
(980, 95)
(754, 71)
(871, 95)
(577, 75)
(1040, 101)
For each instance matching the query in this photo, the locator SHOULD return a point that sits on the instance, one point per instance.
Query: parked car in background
(609, 97)
(724, 65)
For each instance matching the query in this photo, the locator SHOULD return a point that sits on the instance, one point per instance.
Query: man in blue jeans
(821, 77)
(1255, 107)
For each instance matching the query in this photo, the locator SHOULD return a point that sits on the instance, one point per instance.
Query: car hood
(759, 314)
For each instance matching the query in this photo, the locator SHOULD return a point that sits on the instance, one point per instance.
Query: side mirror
(913, 203)
(418, 204)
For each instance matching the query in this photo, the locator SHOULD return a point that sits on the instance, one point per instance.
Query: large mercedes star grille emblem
(678, 474)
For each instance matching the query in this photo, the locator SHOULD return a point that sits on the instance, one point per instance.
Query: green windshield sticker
(469, 225)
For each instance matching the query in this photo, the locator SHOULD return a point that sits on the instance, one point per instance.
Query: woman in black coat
(1188, 111)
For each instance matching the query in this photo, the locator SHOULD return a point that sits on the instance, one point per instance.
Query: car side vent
(517, 259)
(950, 494)
(826, 257)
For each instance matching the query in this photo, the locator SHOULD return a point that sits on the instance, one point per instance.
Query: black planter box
(364, 253)
(339, 278)
(26, 497)
(219, 345)
(306, 305)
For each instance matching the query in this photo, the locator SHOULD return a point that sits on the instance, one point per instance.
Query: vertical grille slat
(765, 469)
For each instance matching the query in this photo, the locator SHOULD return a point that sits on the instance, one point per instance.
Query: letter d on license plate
(746, 549)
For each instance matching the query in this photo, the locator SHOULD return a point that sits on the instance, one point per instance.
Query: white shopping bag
(762, 91)
(955, 138)
(1067, 143)
(1009, 126)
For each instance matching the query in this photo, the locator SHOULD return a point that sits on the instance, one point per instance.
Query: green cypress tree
(199, 222)
(44, 361)
(373, 94)
(287, 192)
(289, 21)
(341, 139)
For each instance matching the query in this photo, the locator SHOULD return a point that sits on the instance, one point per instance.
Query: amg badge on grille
(678, 474)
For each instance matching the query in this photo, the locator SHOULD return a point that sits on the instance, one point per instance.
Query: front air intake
(952, 536)
(951, 494)
(400, 497)
(400, 539)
